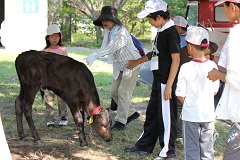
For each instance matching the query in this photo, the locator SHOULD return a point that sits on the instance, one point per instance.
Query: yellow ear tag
(90, 121)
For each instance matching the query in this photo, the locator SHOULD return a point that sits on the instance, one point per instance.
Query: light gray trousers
(198, 140)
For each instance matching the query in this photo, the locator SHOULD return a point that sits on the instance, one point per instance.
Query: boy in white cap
(196, 92)
(182, 27)
(54, 45)
(161, 111)
(229, 103)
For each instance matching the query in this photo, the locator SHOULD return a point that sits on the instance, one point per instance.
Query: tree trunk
(2, 10)
(98, 33)
(2, 14)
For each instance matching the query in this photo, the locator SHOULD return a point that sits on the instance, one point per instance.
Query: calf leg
(27, 103)
(19, 113)
(82, 133)
(78, 118)
(28, 116)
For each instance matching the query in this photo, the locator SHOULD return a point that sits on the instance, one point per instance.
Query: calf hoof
(21, 137)
(36, 140)
(84, 145)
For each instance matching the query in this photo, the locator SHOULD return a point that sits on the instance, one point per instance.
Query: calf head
(101, 123)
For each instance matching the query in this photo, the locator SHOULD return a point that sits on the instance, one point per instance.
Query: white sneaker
(50, 123)
(63, 122)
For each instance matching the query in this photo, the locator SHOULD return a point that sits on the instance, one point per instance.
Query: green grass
(89, 41)
(62, 143)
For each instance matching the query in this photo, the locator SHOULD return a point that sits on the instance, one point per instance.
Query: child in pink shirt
(54, 45)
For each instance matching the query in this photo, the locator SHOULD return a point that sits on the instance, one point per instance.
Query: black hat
(108, 13)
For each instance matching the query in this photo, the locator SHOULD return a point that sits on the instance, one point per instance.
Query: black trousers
(156, 122)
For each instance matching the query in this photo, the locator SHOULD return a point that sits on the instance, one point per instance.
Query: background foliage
(76, 16)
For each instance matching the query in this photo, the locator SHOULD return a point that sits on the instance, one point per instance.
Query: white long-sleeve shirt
(229, 104)
(121, 49)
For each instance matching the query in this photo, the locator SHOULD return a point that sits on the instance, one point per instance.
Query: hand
(213, 75)
(167, 93)
(91, 58)
(131, 64)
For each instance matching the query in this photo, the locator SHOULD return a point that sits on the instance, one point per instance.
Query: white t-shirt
(198, 91)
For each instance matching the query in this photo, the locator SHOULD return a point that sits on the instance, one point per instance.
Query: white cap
(180, 21)
(152, 6)
(54, 28)
(222, 1)
(196, 35)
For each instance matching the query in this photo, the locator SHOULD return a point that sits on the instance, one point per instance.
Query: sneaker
(63, 122)
(118, 126)
(132, 117)
(50, 123)
(136, 150)
(170, 157)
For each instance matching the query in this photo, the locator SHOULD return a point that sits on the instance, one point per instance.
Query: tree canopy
(79, 14)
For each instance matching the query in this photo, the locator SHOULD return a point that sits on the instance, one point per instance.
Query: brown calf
(69, 79)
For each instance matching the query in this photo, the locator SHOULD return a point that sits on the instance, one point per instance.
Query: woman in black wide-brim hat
(117, 44)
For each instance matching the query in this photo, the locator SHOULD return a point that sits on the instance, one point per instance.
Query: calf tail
(19, 78)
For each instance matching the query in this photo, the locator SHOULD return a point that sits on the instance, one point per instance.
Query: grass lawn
(62, 142)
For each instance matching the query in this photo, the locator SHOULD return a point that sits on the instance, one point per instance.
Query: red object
(96, 110)
(211, 16)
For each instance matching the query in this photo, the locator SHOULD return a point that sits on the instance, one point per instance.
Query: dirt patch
(61, 143)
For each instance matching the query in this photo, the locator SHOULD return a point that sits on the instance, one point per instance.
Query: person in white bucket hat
(161, 111)
(196, 92)
(54, 45)
(229, 104)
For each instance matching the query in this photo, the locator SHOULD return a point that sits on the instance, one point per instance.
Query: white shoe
(50, 123)
(63, 122)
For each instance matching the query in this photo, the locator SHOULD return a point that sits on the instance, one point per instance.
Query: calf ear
(107, 109)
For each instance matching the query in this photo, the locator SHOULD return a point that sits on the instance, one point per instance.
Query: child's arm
(172, 75)
(181, 88)
(133, 63)
(181, 99)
